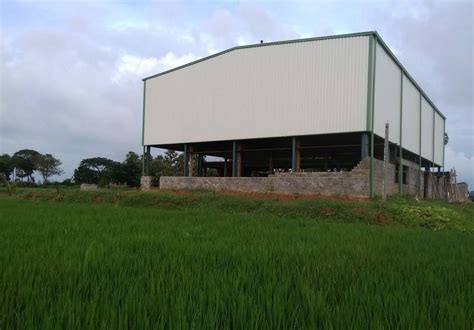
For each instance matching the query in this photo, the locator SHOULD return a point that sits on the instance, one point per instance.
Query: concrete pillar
(146, 182)
(364, 146)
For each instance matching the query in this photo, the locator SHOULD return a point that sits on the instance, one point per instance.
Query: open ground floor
(353, 164)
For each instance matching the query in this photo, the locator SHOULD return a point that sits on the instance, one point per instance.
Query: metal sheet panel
(411, 117)
(426, 130)
(439, 140)
(312, 87)
(387, 95)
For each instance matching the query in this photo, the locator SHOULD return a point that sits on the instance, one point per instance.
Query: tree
(6, 166)
(96, 170)
(129, 171)
(25, 162)
(170, 164)
(48, 166)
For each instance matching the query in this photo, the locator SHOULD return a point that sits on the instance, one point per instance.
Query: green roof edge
(284, 42)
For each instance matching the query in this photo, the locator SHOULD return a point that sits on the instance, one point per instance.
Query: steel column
(186, 160)
(364, 148)
(293, 155)
(234, 158)
(147, 164)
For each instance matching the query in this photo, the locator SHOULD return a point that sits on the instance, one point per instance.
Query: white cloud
(136, 67)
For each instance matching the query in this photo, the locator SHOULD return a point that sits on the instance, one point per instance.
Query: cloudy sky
(70, 71)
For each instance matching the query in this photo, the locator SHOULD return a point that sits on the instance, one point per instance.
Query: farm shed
(304, 115)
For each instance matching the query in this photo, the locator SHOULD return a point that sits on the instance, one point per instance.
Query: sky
(70, 71)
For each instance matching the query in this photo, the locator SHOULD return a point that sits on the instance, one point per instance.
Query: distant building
(305, 107)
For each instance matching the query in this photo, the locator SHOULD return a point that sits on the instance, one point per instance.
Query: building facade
(282, 109)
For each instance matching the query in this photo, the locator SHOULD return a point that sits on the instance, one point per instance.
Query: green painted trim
(275, 43)
(433, 140)
(370, 82)
(400, 165)
(372, 112)
(143, 113)
(419, 172)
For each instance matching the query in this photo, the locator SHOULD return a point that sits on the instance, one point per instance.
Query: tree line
(104, 171)
(25, 162)
(97, 170)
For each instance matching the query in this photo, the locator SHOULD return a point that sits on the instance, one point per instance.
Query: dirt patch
(381, 219)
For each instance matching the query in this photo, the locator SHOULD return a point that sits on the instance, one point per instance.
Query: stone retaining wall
(354, 183)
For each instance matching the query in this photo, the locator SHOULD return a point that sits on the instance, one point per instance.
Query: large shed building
(304, 115)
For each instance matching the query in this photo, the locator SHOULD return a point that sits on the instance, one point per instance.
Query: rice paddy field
(126, 259)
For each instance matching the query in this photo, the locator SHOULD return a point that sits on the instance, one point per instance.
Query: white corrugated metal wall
(426, 129)
(387, 95)
(290, 89)
(439, 139)
(411, 117)
(302, 88)
(387, 109)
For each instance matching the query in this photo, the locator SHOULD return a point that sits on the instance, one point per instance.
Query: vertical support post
(234, 159)
(270, 163)
(239, 159)
(143, 161)
(225, 166)
(200, 161)
(364, 146)
(191, 161)
(400, 164)
(419, 156)
(370, 108)
(147, 161)
(186, 160)
(298, 155)
(386, 156)
(293, 155)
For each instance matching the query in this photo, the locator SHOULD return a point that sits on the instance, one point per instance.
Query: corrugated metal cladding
(411, 117)
(388, 77)
(439, 140)
(311, 87)
(387, 95)
(426, 130)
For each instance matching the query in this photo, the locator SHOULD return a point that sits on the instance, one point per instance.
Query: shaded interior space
(263, 157)
(267, 156)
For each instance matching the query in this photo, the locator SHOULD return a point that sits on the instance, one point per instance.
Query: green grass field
(125, 259)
